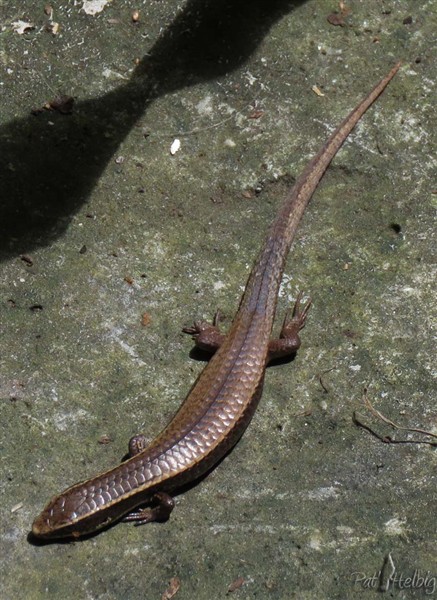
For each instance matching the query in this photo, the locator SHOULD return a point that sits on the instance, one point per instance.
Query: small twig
(325, 388)
(387, 439)
(357, 419)
(386, 420)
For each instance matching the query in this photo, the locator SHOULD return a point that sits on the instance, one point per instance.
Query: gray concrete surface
(101, 224)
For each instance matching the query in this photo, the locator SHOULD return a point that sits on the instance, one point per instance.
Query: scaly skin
(222, 401)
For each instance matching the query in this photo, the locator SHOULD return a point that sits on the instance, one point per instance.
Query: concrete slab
(110, 244)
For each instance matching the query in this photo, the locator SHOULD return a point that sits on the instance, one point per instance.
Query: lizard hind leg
(289, 339)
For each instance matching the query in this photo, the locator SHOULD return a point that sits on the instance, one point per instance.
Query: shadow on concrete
(47, 170)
